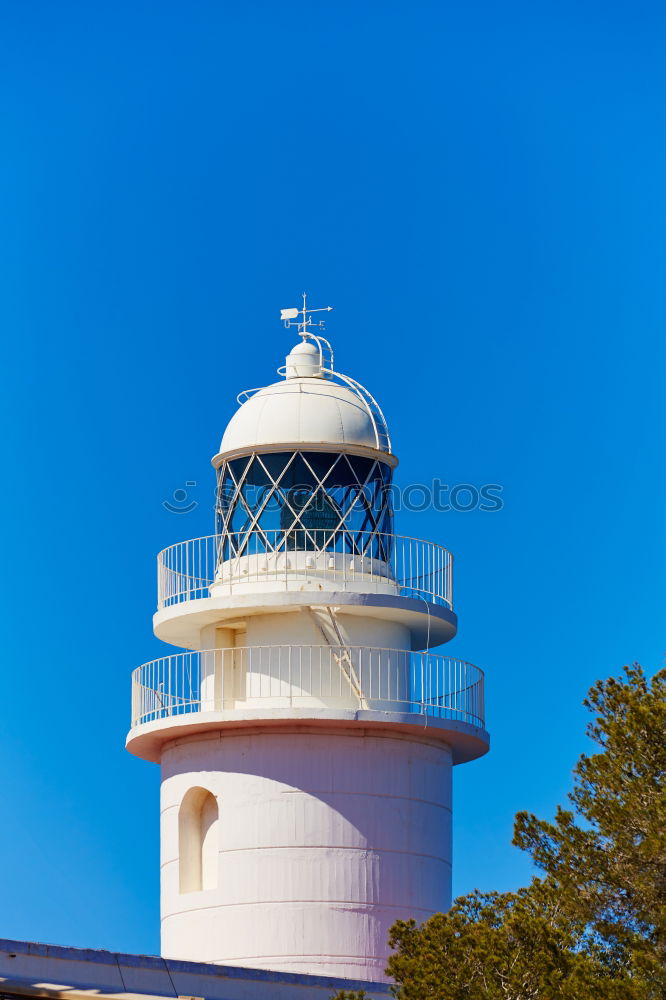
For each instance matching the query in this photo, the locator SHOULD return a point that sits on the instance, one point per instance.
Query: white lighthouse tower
(307, 736)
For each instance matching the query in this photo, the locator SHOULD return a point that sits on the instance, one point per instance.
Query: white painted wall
(302, 626)
(324, 839)
(281, 674)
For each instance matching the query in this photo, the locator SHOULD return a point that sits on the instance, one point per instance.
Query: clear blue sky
(478, 189)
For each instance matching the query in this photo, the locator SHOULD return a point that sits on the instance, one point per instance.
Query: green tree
(607, 856)
(501, 946)
(593, 927)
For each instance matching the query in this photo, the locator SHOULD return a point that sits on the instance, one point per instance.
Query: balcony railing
(265, 678)
(300, 559)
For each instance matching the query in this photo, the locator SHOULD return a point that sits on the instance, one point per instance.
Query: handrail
(265, 678)
(374, 410)
(339, 559)
(379, 424)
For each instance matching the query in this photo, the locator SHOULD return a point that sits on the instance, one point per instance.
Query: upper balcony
(340, 686)
(408, 579)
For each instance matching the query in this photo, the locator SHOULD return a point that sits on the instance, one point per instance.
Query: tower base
(295, 849)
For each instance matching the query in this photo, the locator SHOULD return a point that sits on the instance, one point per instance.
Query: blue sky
(478, 189)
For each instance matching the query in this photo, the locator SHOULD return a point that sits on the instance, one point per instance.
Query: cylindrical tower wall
(321, 840)
(306, 655)
(313, 626)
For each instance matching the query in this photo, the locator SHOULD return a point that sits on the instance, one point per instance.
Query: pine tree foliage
(593, 928)
(502, 946)
(607, 855)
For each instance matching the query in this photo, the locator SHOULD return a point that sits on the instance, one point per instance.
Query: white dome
(302, 410)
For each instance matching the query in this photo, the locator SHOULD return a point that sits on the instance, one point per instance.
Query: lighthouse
(308, 725)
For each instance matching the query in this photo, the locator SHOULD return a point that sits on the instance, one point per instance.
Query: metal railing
(263, 678)
(282, 559)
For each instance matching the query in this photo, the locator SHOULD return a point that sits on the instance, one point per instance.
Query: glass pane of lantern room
(310, 500)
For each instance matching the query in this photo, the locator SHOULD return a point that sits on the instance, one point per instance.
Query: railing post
(441, 686)
(186, 570)
(291, 687)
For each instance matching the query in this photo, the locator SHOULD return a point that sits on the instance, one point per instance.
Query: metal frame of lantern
(315, 507)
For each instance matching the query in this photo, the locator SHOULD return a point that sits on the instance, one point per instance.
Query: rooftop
(31, 969)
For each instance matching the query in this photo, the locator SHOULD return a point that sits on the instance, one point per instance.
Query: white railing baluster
(423, 683)
(187, 570)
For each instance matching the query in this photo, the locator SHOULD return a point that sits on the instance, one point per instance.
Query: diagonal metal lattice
(352, 509)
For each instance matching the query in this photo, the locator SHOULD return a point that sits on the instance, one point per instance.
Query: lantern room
(305, 466)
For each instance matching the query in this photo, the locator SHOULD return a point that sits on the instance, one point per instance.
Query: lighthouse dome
(312, 406)
(297, 455)
(303, 411)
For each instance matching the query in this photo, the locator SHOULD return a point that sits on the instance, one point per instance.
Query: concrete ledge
(40, 970)
(467, 742)
(181, 624)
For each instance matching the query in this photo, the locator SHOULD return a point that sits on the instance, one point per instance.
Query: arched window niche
(198, 823)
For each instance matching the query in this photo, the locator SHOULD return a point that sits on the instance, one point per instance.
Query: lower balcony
(218, 688)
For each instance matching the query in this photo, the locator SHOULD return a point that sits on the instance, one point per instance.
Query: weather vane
(301, 317)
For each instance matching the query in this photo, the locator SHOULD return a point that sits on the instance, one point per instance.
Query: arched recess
(198, 823)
